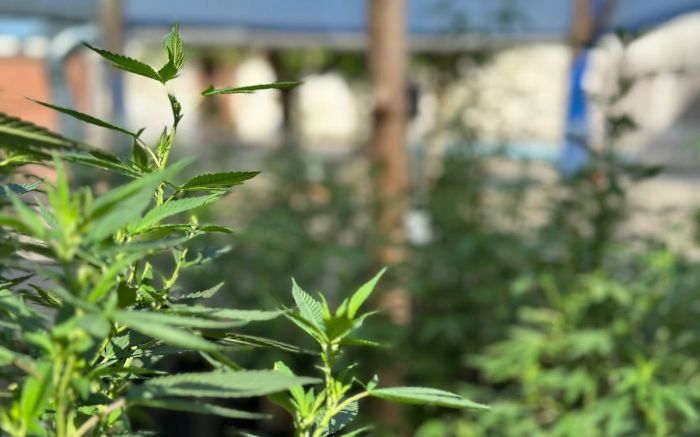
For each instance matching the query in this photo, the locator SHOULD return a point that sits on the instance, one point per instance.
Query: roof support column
(387, 151)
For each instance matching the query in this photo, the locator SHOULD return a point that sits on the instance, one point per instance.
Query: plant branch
(94, 420)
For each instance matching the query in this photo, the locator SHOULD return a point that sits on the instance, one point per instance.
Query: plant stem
(176, 272)
(334, 402)
(327, 357)
(92, 421)
(147, 149)
(62, 421)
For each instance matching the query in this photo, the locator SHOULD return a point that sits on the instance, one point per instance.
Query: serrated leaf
(219, 361)
(309, 308)
(342, 419)
(338, 327)
(204, 294)
(218, 180)
(18, 134)
(372, 384)
(197, 407)
(171, 208)
(308, 327)
(362, 294)
(166, 333)
(127, 64)
(211, 91)
(18, 189)
(165, 143)
(228, 313)
(146, 317)
(167, 229)
(108, 371)
(220, 384)
(231, 339)
(174, 50)
(360, 342)
(43, 297)
(103, 161)
(425, 396)
(167, 72)
(85, 117)
(296, 391)
(8, 283)
(206, 255)
(176, 108)
(17, 159)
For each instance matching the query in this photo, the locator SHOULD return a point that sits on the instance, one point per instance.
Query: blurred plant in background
(566, 321)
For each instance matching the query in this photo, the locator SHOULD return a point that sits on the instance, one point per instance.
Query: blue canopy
(327, 21)
(524, 18)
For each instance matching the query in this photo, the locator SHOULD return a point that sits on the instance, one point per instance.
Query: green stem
(62, 419)
(147, 149)
(95, 420)
(334, 402)
(176, 273)
(327, 357)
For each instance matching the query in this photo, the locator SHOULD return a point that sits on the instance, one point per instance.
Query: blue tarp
(534, 17)
(637, 15)
(350, 16)
(547, 18)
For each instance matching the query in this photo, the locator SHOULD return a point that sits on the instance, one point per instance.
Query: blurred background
(528, 169)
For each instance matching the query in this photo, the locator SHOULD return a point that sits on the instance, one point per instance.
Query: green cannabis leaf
(211, 91)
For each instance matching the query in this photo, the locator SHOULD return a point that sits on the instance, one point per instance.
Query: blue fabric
(538, 18)
(575, 151)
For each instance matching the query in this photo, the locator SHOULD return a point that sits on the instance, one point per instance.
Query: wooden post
(585, 23)
(387, 64)
(111, 22)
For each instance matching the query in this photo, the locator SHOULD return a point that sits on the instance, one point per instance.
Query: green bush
(564, 323)
(88, 310)
(600, 356)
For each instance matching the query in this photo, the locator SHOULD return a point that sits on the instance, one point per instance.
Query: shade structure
(525, 19)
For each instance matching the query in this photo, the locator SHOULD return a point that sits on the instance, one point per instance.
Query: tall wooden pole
(588, 18)
(111, 22)
(387, 64)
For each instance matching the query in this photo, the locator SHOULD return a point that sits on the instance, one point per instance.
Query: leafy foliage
(211, 91)
(86, 313)
(535, 310)
(334, 407)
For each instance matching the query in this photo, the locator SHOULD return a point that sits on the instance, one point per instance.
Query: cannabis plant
(603, 356)
(604, 338)
(87, 312)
